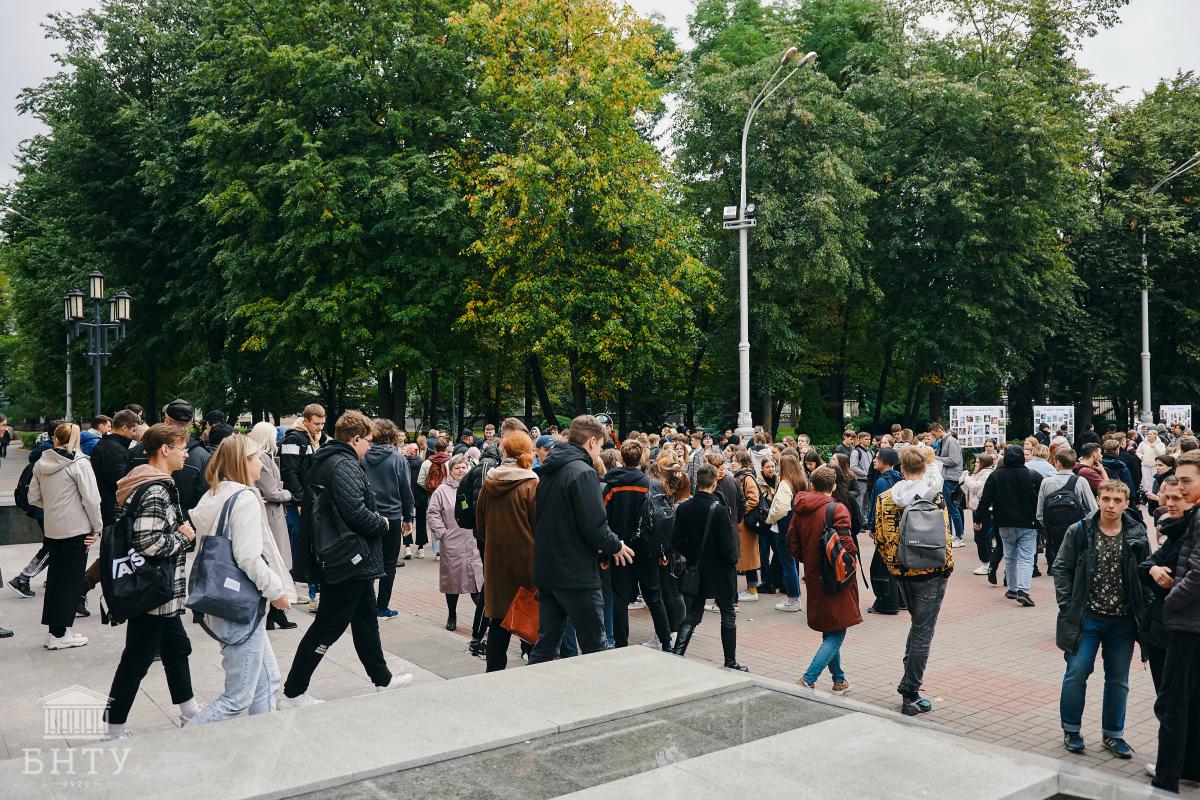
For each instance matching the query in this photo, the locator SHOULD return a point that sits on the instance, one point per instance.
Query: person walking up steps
(337, 468)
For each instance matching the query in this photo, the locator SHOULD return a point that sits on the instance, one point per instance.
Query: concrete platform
(338, 749)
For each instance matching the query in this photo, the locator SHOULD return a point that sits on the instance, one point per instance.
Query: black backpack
(467, 496)
(1061, 510)
(21, 493)
(133, 583)
(652, 537)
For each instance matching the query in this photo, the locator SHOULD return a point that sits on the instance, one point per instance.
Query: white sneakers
(68, 639)
(958, 543)
(711, 607)
(313, 603)
(397, 682)
(982, 569)
(637, 604)
(299, 701)
(748, 597)
(789, 606)
(420, 553)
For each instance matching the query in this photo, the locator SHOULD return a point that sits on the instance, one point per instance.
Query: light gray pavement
(994, 674)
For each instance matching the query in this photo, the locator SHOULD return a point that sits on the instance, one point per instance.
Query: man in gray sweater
(949, 452)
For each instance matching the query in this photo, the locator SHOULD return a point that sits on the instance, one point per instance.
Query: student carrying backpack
(1063, 500)
(467, 496)
(922, 542)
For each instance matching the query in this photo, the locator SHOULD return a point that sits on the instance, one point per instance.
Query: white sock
(115, 730)
(189, 708)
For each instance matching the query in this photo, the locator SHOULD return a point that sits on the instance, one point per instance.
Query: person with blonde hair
(251, 672)
(276, 498)
(64, 485)
(779, 519)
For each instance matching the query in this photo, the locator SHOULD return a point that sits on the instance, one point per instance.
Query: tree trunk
(528, 397)
(150, 413)
(622, 413)
(911, 420)
(461, 401)
(837, 403)
(383, 383)
(936, 396)
(433, 397)
(539, 384)
(776, 410)
(494, 418)
(764, 382)
(578, 392)
(400, 399)
(909, 397)
(879, 390)
(692, 383)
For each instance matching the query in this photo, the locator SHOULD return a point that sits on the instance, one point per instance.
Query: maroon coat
(826, 613)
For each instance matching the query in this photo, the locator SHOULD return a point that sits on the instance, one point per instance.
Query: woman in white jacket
(779, 518)
(972, 487)
(1148, 451)
(64, 485)
(251, 672)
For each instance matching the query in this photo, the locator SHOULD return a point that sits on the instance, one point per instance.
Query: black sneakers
(1073, 741)
(1118, 747)
(917, 705)
(1024, 599)
(20, 585)
(1011, 594)
(82, 610)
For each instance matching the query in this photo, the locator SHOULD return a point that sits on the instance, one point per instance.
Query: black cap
(215, 417)
(179, 410)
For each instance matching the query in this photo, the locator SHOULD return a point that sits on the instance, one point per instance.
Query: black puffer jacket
(1181, 610)
(336, 468)
(110, 462)
(1010, 494)
(1165, 556)
(571, 534)
(625, 492)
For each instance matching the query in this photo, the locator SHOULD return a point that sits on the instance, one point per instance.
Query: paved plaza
(994, 674)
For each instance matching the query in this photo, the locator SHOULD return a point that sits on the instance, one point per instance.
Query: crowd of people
(680, 523)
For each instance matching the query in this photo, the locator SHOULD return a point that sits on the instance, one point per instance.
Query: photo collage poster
(1180, 414)
(1055, 417)
(974, 425)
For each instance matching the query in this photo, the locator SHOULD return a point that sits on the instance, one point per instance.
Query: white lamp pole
(1147, 409)
(745, 422)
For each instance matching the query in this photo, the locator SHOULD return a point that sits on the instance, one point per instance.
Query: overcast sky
(1155, 39)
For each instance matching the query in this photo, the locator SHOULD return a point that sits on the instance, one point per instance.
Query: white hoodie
(907, 491)
(251, 536)
(66, 489)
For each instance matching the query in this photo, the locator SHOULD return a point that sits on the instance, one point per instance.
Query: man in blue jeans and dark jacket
(1101, 608)
(571, 536)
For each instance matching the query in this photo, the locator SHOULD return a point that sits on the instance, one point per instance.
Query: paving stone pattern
(994, 673)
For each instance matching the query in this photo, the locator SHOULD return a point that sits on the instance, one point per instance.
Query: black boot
(682, 638)
(276, 618)
(729, 646)
(81, 610)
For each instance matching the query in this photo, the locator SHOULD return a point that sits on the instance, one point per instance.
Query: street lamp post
(742, 223)
(101, 335)
(1147, 410)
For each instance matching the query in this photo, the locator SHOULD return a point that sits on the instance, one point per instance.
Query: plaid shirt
(156, 535)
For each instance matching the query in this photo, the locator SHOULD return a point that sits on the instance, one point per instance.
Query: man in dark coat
(715, 554)
(348, 601)
(571, 536)
(1009, 502)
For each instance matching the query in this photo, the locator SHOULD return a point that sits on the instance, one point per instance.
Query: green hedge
(29, 439)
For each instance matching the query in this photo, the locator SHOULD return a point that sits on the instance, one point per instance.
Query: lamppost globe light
(792, 52)
(808, 59)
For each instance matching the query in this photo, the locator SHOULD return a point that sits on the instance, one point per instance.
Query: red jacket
(826, 613)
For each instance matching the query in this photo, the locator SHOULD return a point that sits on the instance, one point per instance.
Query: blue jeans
(829, 654)
(1020, 549)
(606, 589)
(791, 575)
(1116, 637)
(251, 674)
(291, 514)
(956, 515)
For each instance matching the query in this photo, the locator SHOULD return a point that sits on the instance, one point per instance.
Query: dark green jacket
(1075, 566)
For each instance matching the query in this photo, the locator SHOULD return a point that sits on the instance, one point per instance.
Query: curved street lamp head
(791, 54)
(808, 59)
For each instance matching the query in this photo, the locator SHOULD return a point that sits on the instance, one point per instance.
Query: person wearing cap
(541, 449)
(211, 420)
(189, 479)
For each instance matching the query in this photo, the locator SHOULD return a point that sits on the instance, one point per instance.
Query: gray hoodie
(388, 478)
(951, 456)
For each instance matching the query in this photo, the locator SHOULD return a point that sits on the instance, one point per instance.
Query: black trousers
(64, 582)
(584, 608)
(1157, 657)
(422, 534)
(498, 640)
(351, 603)
(887, 595)
(672, 598)
(642, 572)
(148, 635)
(1178, 712)
(391, 552)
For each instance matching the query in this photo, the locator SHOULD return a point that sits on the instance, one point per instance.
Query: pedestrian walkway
(994, 674)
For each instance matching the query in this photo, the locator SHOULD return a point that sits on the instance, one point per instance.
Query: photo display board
(974, 425)
(1180, 414)
(1055, 417)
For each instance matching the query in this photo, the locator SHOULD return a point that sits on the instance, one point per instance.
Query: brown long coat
(504, 518)
(826, 613)
(747, 539)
